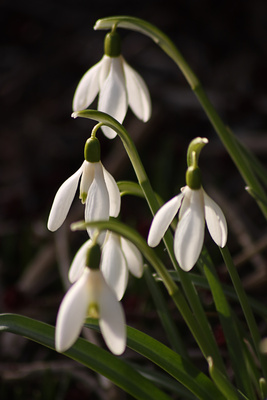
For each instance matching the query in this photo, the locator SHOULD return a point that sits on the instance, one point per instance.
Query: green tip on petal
(195, 146)
(112, 44)
(92, 150)
(83, 197)
(93, 311)
(93, 256)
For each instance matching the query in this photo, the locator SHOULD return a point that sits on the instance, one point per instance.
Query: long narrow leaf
(164, 315)
(201, 281)
(96, 358)
(234, 341)
(182, 370)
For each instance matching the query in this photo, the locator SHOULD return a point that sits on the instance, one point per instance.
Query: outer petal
(106, 62)
(97, 203)
(113, 95)
(63, 200)
(78, 263)
(112, 320)
(215, 220)
(133, 257)
(86, 180)
(189, 235)
(87, 88)
(187, 192)
(114, 194)
(162, 220)
(72, 313)
(113, 265)
(138, 94)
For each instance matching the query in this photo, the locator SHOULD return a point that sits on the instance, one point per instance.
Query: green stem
(228, 140)
(168, 324)
(245, 306)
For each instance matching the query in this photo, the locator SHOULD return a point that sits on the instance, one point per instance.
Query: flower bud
(193, 177)
(92, 150)
(93, 256)
(112, 44)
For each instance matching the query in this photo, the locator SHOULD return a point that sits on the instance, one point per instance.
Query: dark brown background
(46, 46)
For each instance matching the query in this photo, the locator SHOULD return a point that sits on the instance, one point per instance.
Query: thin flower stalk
(118, 85)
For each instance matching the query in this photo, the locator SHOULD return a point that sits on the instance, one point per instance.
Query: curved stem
(227, 138)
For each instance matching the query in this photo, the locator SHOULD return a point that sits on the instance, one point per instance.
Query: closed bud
(93, 256)
(92, 150)
(112, 44)
(193, 178)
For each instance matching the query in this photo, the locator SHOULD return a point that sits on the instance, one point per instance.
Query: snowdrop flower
(119, 256)
(196, 207)
(118, 84)
(90, 296)
(98, 190)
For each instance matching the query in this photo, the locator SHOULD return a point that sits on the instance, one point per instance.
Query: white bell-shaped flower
(98, 190)
(118, 85)
(119, 256)
(91, 296)
(195, 207)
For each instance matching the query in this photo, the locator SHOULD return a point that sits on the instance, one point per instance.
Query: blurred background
(46, 47)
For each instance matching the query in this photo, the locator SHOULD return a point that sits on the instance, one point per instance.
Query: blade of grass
(95, 358)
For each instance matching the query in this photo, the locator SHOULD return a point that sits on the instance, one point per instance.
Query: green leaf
(171, 362)
(233, 339)
(95, 358)
(164, 381)
(164, 314)
(132, 188)
(201, 281)
(223, 384)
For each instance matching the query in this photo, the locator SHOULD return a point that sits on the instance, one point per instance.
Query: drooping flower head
(91, 296)
(195, 207)
(118, 85)
(119, 256)
(98, 191)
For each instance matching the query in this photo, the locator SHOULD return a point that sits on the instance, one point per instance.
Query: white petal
(87, 179)
(114, 194)
(162, 220)
(106, 62)
(63, 200)
(97, 202)
(187, 192)
(112, 321)
(133, 257)
(215, 220)
(113, 96)
(78, 263)
(113, 265)
(72, 313)
(87, 88)
(189, 235)
(138, 94)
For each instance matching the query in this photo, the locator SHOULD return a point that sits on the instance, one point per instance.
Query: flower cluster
(100, 269)
(98, 286)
